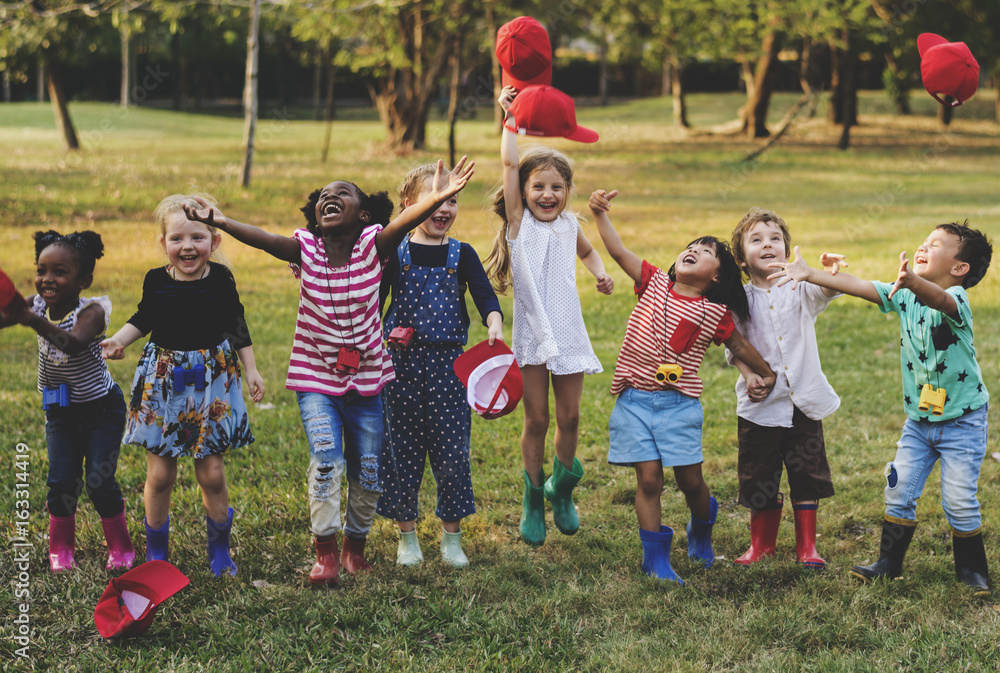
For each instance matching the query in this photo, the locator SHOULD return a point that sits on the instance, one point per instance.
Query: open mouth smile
(332, 208)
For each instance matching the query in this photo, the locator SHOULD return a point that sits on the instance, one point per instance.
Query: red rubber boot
(353, 556)
(805, 536)
(327, 567)
(763, 534)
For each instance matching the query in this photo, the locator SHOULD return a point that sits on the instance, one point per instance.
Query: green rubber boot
(451, 549)
(533, 514)
(408, 553)
(559, 491)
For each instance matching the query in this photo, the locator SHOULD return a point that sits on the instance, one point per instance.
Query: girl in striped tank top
(339, 364)
(657, 418)
(84, 407)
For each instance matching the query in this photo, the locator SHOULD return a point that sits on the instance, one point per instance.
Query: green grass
(577, 603)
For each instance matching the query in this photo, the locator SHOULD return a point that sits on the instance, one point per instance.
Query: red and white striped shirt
(338, 306)
(666, 327)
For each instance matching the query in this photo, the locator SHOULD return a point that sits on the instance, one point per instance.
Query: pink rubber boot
(121, 554)
(62, 541)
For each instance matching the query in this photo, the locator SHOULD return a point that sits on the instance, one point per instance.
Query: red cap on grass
(128, 605)
(548, 112)
(10, 298)
(947, 68)
(492, 377)
(525, 53)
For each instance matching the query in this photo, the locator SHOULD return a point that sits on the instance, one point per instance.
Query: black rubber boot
(970, 562)
(896, 537)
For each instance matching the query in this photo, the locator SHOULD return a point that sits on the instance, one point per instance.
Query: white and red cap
(947, 69)
(492, 377)
(546, 111)
(129, 603)
(524, 52)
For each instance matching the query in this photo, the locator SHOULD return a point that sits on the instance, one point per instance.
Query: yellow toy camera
(669, 373)
(932, 399)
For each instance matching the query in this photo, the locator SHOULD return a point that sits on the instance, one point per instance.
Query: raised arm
(445, 185)
(931, 294)
(798, 270)
(282, 247)
(600, 204)
(511, 170)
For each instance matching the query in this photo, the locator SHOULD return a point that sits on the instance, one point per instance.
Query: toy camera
(348, 360)
(669, 373)
(400, 337)
(185, 377)
(55, 397)
(932, 399)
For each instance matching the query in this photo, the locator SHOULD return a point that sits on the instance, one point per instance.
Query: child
(657, 418)
(426, 404)
(536, 248)
(84, 407)
(187, 396)
(943, 392)
(787, 427)
(338, 364)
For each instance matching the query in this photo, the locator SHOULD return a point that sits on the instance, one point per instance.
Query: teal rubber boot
(559, 491)
(700, 535)
(451, 549)
(408, 553)
(533, 514)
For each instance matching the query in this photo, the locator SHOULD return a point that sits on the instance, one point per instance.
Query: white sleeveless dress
(548, 320)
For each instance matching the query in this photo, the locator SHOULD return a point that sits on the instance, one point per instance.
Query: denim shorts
(662, 425)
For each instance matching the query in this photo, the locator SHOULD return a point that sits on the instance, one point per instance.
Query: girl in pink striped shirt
(338, 364)
(657, 418)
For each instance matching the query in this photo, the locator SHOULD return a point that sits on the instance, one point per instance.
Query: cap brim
(544, 78)
(160, 576)
(583, 135)
(467, 362)
(927, 40)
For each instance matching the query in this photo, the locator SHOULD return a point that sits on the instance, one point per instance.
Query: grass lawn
(577, 603)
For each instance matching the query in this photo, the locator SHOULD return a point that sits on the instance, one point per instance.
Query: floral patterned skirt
(191, 412)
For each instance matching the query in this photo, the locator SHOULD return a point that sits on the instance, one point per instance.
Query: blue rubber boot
(559, 491)
(700, 535)
(533, 513)
(158, 541)
(218, 546)
(656, 554)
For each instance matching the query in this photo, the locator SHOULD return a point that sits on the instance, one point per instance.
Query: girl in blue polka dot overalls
(426, 404)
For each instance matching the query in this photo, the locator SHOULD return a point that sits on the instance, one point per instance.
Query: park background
(871, 188)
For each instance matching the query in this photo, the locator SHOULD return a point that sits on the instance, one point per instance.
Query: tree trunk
(60, 107)
(835, 106)
(896, 85)
(677, 93)
(666, 83)
(945, 114)
(125, 31)
(848, 92)
(6, 86)
(317, 83)
(175, 48)
(456, 80)
(41, 83)
(602, 77)
(996, 105)
(250, 94)
(763, 85)
(331, 77)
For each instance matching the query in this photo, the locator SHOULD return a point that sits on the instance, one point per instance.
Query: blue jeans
(960, 445)
(85, 436)
(344, 431)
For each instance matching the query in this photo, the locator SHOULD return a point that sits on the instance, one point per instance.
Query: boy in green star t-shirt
(943, 392)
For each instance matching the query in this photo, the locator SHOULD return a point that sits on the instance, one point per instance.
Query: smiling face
(937, 260)
(189, 245)
(545, 194)
(58, 280)
(436, 227)
(339, 208)
(698, 265)
(763, 244)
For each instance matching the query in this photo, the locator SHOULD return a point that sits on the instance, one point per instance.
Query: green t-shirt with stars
(936, 349)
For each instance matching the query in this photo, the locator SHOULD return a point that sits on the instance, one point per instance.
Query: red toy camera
(348, 360)
(400, 337)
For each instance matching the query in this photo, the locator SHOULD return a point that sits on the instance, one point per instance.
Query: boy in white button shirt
(786, 427)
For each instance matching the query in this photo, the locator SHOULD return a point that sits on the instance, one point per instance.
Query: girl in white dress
(535, 251)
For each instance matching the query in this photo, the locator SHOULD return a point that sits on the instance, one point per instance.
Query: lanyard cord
(333, 305)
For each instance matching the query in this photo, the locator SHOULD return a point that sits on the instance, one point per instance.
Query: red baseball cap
(947, 68)
(525, 53)
(10, 298)
(492, 377)
(548, 112)
(128, 605)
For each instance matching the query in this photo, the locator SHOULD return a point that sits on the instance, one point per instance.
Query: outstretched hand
(792, 271)
(600, 201)
(111, 349)
(448, 183)
(906, 277)
(831, 262)
(211, 215)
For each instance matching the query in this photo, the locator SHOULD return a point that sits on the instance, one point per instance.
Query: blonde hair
(175, 204)
(414, 183)
(753, 216)
(537, 157)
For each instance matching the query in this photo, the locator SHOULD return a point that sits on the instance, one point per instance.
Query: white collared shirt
(782, 329)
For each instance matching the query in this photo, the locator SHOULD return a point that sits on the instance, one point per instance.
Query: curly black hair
(378, 205)
(86, 245)
(728, 290)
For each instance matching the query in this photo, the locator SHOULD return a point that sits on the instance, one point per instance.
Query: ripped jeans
(960, 445)
(343, 430)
